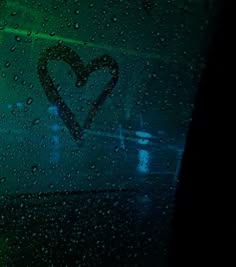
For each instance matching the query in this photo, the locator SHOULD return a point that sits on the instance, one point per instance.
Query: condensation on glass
(95, 103)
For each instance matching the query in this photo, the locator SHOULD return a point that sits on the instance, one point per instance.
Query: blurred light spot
(144, 137)
(143, 141)
(53, 110)
(19, 105)
(122, 143)
(143, 134)
(55, 140)
(55, 127)
(55, 156)
(144, 157)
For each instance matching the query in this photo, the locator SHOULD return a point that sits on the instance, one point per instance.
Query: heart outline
(82, 71)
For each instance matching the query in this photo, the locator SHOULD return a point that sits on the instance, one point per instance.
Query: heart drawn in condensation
(64, 53)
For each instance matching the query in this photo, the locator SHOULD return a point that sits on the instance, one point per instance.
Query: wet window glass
(95, 102)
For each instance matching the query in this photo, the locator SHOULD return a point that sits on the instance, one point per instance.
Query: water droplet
(34, 168)
(13, 48)
(35, 121)
(116, 149)
(7, 64)
(114, 19)
(29, 101)
(76, 26)
(116, 204)
(2, 179)
(17, 38)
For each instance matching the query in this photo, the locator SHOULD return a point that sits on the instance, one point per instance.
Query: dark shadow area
(103, 228)
(204, 226)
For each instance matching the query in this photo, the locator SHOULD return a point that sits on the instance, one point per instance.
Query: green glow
(48, 37)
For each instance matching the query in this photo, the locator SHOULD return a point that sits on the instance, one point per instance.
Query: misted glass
(95, 103)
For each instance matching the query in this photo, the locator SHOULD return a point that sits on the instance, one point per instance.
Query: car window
(95, 103)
